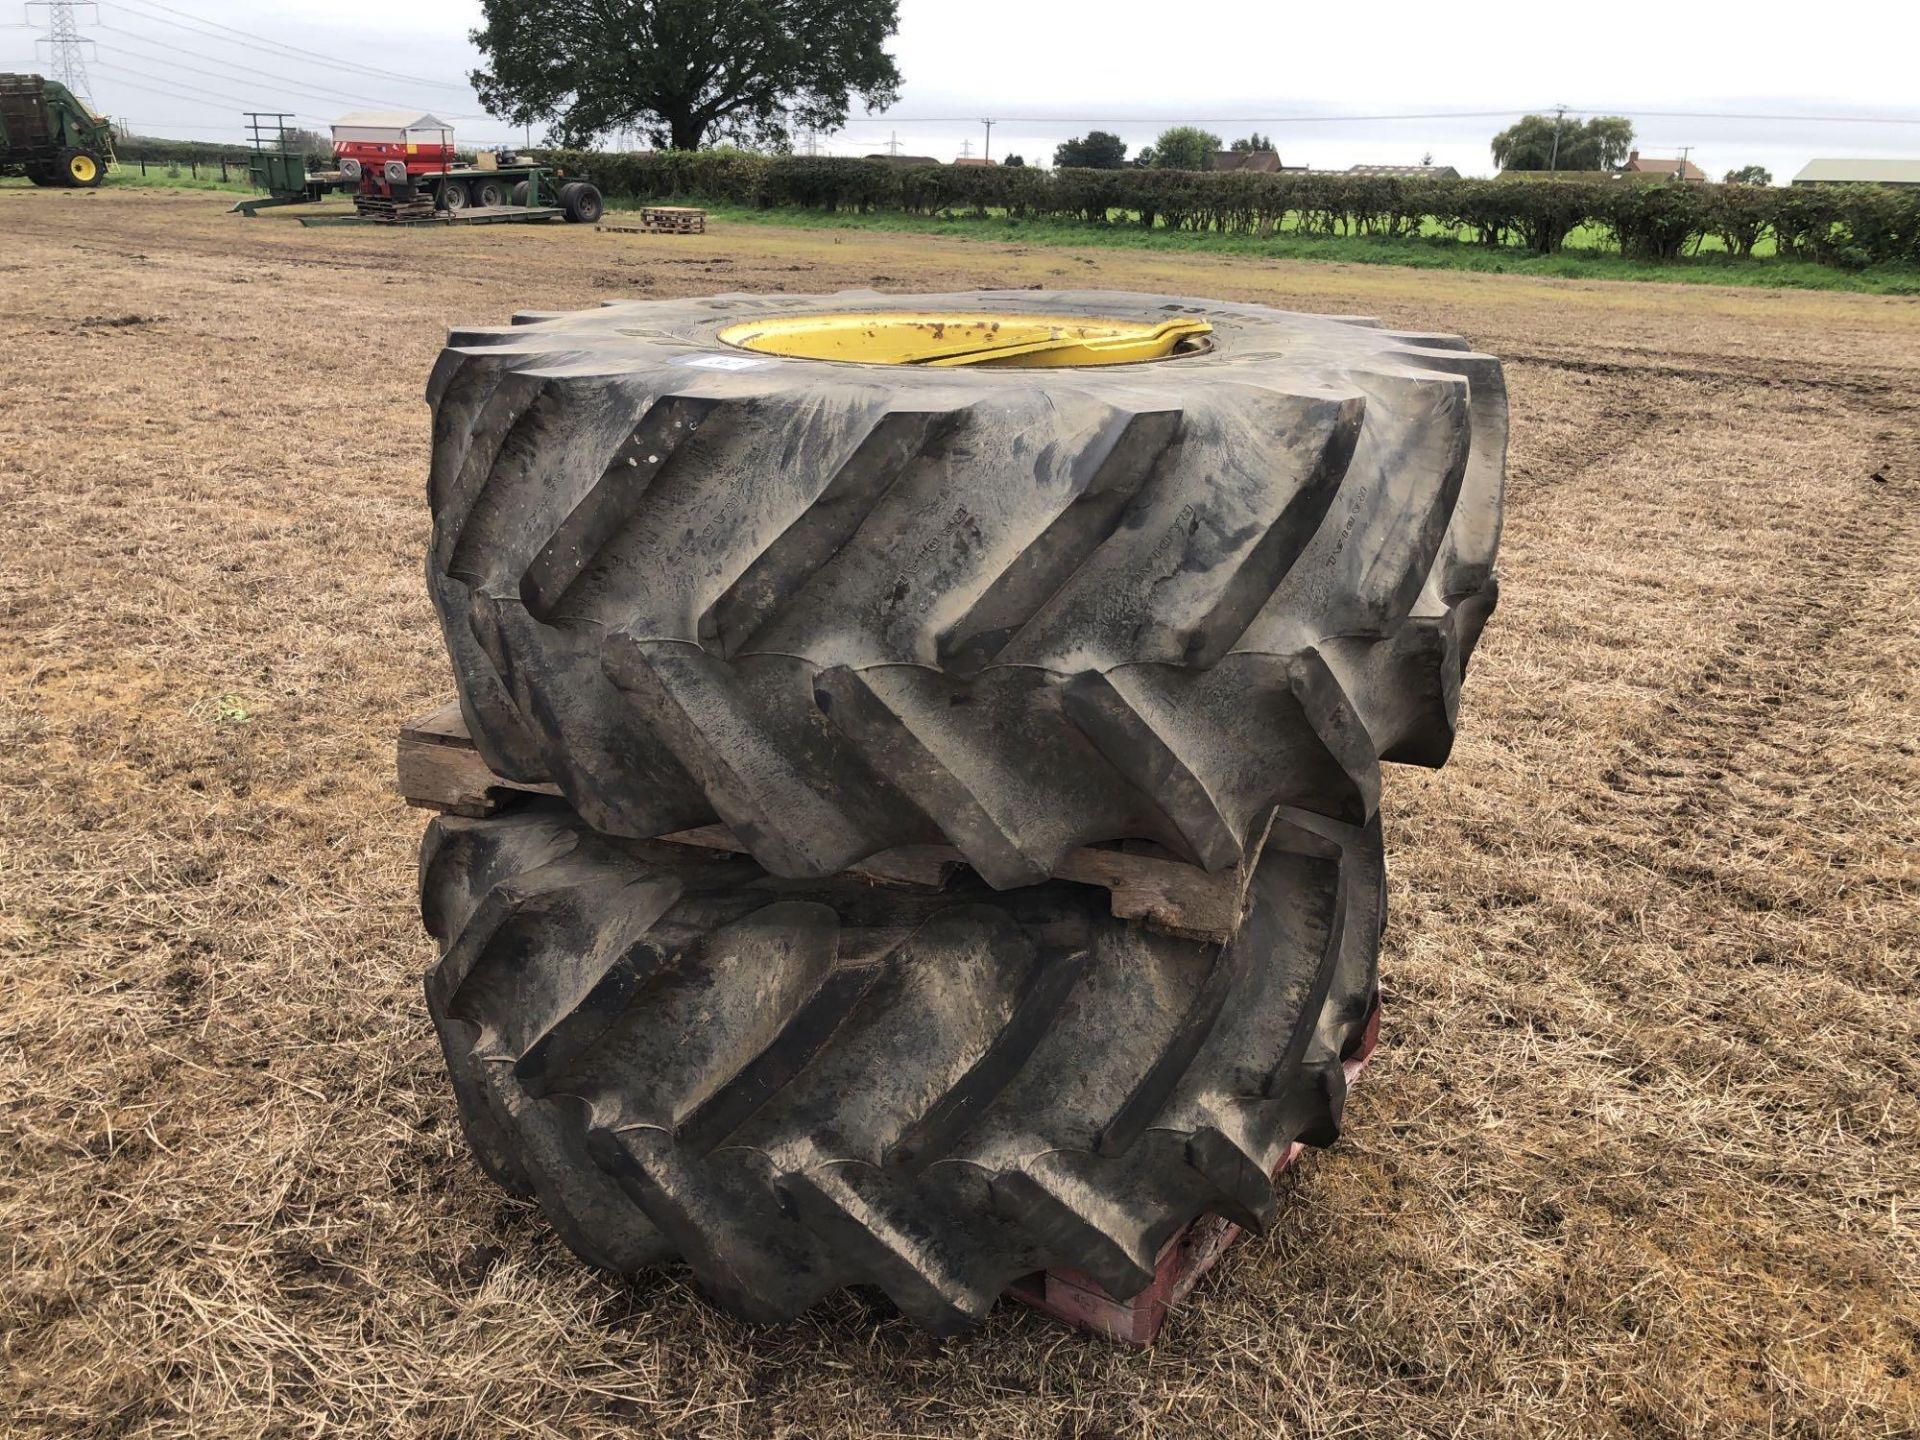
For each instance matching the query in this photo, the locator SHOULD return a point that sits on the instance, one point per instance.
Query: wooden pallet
(674, 219)
(383, 210)
(1075, 1298)
(386, 212)
(662, 220)
(439, 769)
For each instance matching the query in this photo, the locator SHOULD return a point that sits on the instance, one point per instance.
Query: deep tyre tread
(798, 1085)
(843, 608)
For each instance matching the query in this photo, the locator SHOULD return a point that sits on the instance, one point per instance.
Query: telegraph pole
(1681, 173)
(67, 57)
(989, 125)
(1553, 160)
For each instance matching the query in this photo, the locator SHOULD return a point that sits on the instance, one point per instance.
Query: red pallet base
(1075, 1298)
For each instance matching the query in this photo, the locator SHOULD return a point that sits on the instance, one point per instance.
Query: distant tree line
(687, 74)
(1849, 226)
(1556, 142)
(1532, 143)
(1183, 147)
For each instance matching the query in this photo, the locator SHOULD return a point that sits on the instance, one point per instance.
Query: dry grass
(1642, 1150)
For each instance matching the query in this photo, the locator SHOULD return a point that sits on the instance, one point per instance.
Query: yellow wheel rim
(973, 338)
(82, 168)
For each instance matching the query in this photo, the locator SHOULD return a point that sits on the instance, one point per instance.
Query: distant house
(1859, 172)
(905, 161)
(1675, 169)
(1251, 162)
(1407, 172)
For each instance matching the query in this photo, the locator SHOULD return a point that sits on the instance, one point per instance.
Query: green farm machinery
(400, 168)
(403, 169)
(49, 135)
(277, 166)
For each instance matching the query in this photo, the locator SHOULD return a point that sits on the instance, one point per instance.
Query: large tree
(1750, 175)
(1185, 147)
(1096, 150)
(1254, 144)
(684, 71)
(1565, 142)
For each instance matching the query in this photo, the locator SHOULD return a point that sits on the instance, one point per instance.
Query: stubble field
(1639, 1156)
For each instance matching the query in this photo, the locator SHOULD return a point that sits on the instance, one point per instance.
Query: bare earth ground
(1641, 1153)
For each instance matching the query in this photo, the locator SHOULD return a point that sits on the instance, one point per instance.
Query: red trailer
(400, 166)
(376, 140)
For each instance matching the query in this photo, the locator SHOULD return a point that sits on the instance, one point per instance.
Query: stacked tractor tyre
(1184, 606)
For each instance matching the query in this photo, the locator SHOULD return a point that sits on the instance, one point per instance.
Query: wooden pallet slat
(675, 219)
(439, 769)
(660, 220)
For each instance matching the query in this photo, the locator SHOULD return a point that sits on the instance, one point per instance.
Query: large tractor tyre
(80, 170)
(490, 194)
(451, 196)
(794, 1086)
(844, 607)
(580, 203)
(519, 194)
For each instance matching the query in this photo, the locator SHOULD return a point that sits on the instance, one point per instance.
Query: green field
(1588, 254)
(160, 176)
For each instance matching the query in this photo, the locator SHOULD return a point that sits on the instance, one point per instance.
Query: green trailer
(287, 181)
(48, 134)
(277, 166)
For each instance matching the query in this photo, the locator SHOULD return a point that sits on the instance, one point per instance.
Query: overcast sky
(1049, 69)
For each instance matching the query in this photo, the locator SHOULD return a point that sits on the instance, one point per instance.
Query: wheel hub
(984, 338)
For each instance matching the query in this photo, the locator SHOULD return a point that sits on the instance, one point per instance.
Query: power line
(162, 92)
(201, 94)
(195, 24)
(297, 87)
(1728, 115)
(1168, 119)
(140, 125)
(1165, 119)
(178, 89)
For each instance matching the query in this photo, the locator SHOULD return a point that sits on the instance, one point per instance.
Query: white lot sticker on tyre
(726, 362)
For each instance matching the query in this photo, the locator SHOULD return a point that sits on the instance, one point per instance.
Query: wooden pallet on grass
(662, 220)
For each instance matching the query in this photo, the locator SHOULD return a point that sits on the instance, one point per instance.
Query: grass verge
(1438, 252)
(123, 177)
